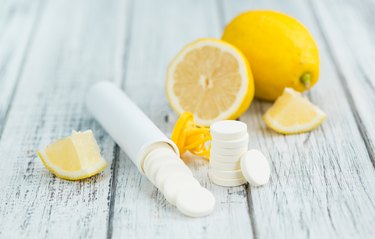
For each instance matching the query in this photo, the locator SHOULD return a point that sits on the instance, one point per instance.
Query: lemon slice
(292, 114)
(74, 157)
(211, 79)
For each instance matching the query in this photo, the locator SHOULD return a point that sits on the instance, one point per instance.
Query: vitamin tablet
(226, 182)
(157, 163)
(227, 174)
(167, 170)
(158, 153)
(255, 168)
(229, 152)
(228, 130)
(176, 182)
(225, 158)
(237, 143)
(195, 202)
(225, 166)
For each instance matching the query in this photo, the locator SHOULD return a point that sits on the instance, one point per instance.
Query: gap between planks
(29, 41)
(343, 79)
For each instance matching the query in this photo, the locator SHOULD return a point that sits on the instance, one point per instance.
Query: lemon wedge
(293, 114)
(74, 157)
(211, 79)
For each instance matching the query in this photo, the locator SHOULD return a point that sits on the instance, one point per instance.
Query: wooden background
(51, 51)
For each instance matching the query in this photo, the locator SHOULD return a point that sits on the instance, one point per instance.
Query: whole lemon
(281, 51)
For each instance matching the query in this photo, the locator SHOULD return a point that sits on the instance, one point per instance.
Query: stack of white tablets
(229, 142)
(175, 180)
(231, 163)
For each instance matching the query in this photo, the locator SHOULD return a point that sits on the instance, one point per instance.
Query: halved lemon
(74, 157)
(292, 114)
(211, 79)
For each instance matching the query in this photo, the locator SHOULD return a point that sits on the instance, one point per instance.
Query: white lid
(255, 168)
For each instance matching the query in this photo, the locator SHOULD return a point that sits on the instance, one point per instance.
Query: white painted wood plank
(348, 29)
(76, 44)
(322, 182)
(18, 20)
(159, 30)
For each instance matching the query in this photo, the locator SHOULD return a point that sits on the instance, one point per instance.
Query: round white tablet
(255, 168)
(157, 163)
(158, 153)
(228, 152)
(225, 166)
(228, 130)
(195, 202)
(169, 169)
(227, 174)
(225, 158)
(175, 183)
(237, 143)
(226, 182)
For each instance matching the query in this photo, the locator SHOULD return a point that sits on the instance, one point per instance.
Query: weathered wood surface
(19, 20)
(322, 183)
(140, 210)
(75, 44)
(347, 27)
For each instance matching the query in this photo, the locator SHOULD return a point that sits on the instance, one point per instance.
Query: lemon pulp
(211, 79)
(74, 157)
(291, 114)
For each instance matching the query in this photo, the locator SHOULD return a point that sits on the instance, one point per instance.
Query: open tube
(131, 129)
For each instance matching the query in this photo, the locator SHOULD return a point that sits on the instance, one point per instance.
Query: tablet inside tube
(130, 128)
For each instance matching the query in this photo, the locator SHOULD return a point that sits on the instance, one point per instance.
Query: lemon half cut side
(292, 114)
(74, 157)
(211, 79)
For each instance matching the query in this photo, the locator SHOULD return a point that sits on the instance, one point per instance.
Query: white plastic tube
(131, 129)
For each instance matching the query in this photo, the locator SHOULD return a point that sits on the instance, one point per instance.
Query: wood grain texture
(322, 182)
(353, 52)
(158, 31)
(52, 51)
(18, 22)
(76, 44)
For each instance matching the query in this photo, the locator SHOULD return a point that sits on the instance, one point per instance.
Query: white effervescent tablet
(226, 182)
(237, 143)
(156, 164)
(195, 202)
(159, 153)
(255, 168)
(229, 152)
(175, 183)
(228, 130)
(225, 166)
(152, 173)
(225, 158)
(169, 169)
(227, 174)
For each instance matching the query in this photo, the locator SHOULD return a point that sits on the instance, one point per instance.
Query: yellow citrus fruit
(281, 51)
(74, 157)
(211, 79)
(292, 114)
